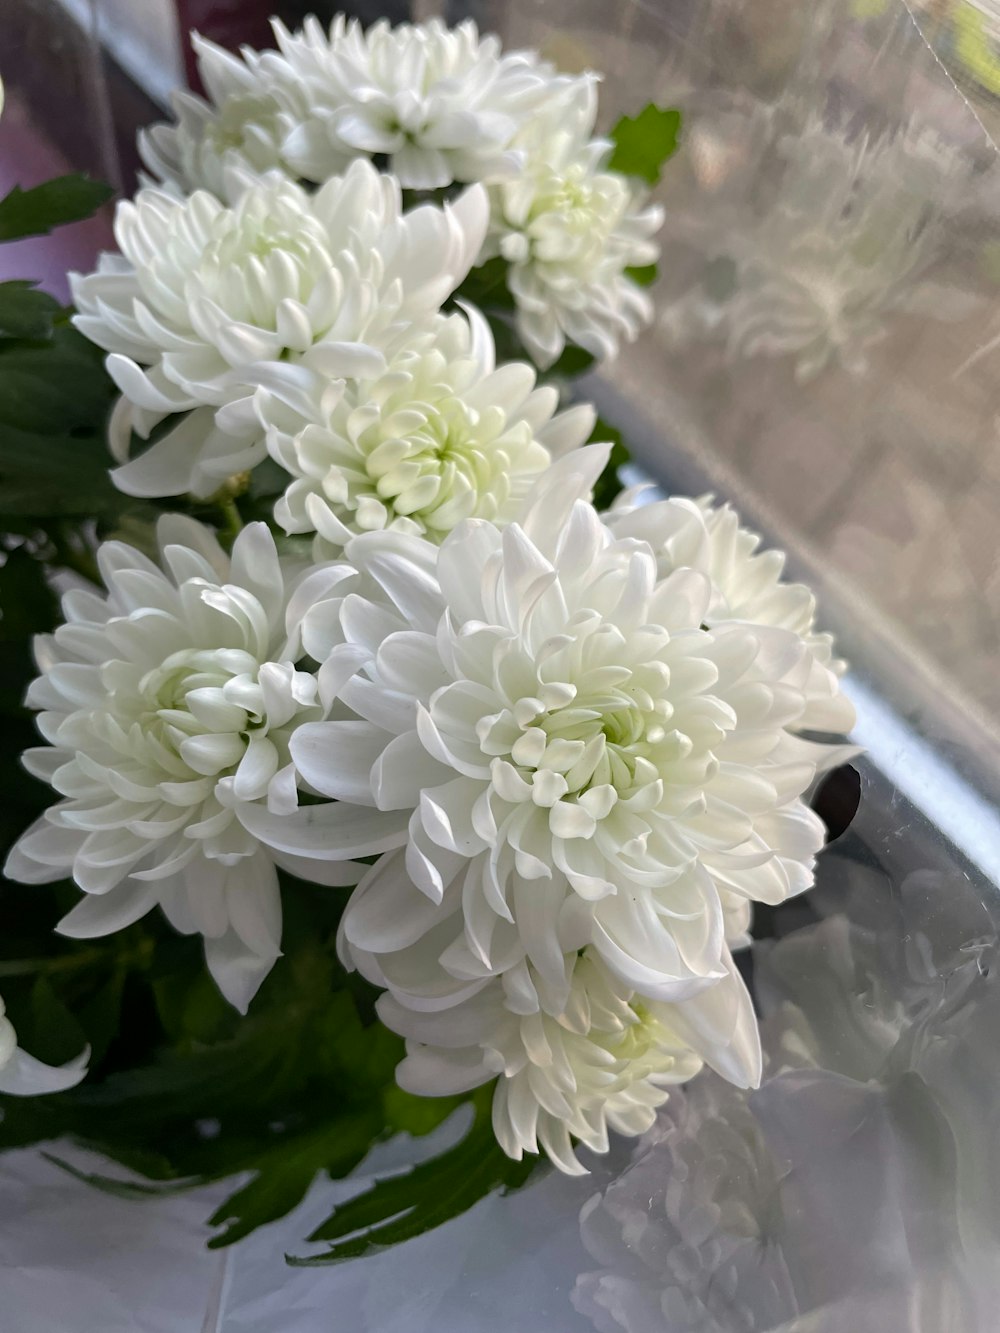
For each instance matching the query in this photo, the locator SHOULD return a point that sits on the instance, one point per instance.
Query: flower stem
(232, 522)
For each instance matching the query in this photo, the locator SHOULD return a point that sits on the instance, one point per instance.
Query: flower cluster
(557, 753)
(439, 107)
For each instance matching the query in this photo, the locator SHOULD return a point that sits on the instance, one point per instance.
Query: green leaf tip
(37, 211)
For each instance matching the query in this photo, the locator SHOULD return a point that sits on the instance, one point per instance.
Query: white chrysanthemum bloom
(570, 230)
(602, 1058)
(221, 144)
(604, 1064)
(21, 1075)
(168, 706)
(204, 299)
(442, 104)
(585, 762)
(747, 585)
(747, 582)
(443, 434)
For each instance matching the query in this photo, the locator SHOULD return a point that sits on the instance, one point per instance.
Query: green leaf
(27, 603)
(25, 312)
(574, 361)
(56, 1034)
(100, 1015)
(54, 399)
(643, 276)
(401, 1207)
(36, 212)
(644, 142)
(486, 285)
(609, 484)
(53, 386)
(53, 476)
(120, 1189)
(416, 1115)
(285, 1173)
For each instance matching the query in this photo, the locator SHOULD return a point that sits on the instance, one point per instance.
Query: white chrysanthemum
(221, 144)
(603, 1060)
(747, 585)
(443, 104)
(168, 706)
(585, 763)
(21, 1075)
(203, 299)
(443, 434)
(603, 1064)
(569, 229)
(747, 582)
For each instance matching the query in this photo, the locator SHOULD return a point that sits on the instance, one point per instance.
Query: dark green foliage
(25, 312)
(38, 211)
(609, 483)
(406, 1205)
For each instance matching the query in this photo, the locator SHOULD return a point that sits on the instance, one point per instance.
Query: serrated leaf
(644, 142)
(285, 1173)
(120, 1189)
(404, 1206)
(26, 312)
(37, 211)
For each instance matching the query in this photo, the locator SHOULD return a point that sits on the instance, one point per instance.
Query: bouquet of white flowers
(396, 754)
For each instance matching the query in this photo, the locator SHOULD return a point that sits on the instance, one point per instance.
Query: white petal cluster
(442, 104)
(439, 106)
(204, 299)
(168, 706)
(570, 229)
(21, 1075)
(222, 143)
(556, 747)
(440, 435)
(605, 1060)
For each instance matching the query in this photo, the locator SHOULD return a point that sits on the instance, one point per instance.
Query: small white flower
(21, 1075)
(585, 762)
(569, 229)
(223, 143)
(603, 1061)
(442, 104)
(167, 706)
(443, 434)
(204, 299)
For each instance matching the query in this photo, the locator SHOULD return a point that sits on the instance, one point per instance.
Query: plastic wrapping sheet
(857, 1190)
